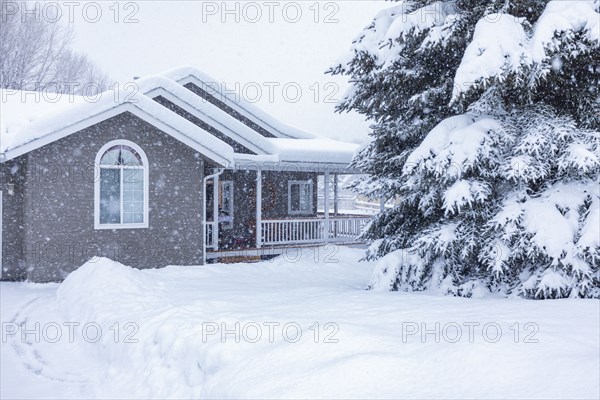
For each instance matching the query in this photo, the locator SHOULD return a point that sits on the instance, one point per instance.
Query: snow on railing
(371, 206)
(291, 231)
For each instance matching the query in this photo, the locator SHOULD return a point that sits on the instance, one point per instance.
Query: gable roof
(57, 125)
(288, 144)
(209, 113)
(188, 74)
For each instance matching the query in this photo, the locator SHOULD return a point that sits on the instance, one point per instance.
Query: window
(226, 204)
(300, 197)
(121, 187)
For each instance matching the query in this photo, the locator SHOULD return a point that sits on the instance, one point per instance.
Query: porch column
(335, 195)
(335, 204)
(258, 208)
(216, 213)
(326, 203)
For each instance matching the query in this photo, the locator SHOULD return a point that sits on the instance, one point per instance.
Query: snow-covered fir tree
(486, 127)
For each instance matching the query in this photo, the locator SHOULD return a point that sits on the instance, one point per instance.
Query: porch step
(255, 254)
(238, 259)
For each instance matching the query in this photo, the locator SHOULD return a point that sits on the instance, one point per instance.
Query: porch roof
(298, 162)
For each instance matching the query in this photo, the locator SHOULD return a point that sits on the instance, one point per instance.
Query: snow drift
(164, 348)
(166, 357)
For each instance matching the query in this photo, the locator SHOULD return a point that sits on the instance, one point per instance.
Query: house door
(211, 216)
(220, 213)
(226, 213)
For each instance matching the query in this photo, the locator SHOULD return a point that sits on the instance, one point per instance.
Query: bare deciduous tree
(36, 54)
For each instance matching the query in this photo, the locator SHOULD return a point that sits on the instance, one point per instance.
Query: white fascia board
(265, 165)
(207, 150)
(226, 130)
(248, 110)
(62, 133)
(135, 109)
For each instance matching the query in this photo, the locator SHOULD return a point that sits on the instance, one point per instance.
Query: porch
(276, 233)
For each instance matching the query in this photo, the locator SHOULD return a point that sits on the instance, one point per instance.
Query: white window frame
(229, 224)
(308, 182)
(97, 174)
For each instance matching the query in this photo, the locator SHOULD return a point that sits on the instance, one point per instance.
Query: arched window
(121, 186)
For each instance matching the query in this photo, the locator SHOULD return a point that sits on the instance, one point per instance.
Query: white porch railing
(318, 230)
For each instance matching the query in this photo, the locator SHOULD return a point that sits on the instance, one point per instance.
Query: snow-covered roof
(20, 108)
(55, 125)
(29, 122)
(313, 150)
(188, 74)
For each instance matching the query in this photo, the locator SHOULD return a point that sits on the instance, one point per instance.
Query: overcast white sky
(289, 44)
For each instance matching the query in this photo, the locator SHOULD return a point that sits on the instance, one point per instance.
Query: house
(172, 170)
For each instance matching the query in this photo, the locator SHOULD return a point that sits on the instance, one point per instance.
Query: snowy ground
(372, 347)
